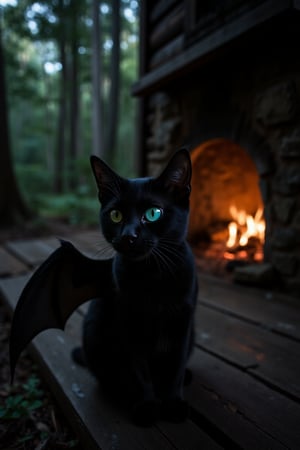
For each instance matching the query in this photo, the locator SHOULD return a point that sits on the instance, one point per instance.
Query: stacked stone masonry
(255, 103)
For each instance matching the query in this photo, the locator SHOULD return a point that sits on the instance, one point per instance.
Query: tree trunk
(115, 83)
(97, 119)
(74, 100)
(12, 207)
(59, 163)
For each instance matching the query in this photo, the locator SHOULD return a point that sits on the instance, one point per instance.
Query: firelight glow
(245, 226)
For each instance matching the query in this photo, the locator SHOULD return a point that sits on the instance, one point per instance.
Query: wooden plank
(161, 7)
(227, 401)
(251, 348)
(167, 52)
(168, 28)
(98, 423)
(76, 389)
(92, 244)
(9, 265)
(227, 337)
(188, 436)
(207, 46)
(274, 311)
(32, 252)
(250, 413)
(83, 309)
(11, 289)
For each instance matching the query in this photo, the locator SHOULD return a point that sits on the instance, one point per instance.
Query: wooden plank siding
(246, 371)
(165, 31)
(193, 53)
(168, 28)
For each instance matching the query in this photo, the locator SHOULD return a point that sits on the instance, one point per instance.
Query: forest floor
(29, 416)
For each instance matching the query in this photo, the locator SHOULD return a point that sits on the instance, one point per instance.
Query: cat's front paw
(175, 410)
(146, 412)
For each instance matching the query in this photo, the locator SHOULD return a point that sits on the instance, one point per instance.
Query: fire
(244, 226)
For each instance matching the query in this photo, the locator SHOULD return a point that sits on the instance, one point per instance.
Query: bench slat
(236, 350)
(95, 420)
(252, 414)
(272, 310)
(251, 347)
(93, 244)
(9, 265)
(32, 252)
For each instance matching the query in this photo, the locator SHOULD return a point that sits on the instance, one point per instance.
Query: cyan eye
(153, 214)
(116, 216)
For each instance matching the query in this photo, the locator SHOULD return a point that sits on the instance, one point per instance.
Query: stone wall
(253, 100)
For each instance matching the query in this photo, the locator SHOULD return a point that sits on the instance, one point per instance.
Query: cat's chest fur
(154, 307)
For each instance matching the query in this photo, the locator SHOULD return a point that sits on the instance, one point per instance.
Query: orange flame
(245, 226)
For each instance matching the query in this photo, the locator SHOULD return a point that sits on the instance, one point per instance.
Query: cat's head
(144, 216)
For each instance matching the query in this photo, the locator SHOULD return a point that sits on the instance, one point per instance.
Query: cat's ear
(177, 175)
(108, 182)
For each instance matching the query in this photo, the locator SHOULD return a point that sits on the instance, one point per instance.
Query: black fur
(137, 340)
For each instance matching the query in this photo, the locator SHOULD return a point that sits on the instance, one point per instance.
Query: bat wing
(63, 282)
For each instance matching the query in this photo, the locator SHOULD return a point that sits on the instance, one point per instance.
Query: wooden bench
(246, 367)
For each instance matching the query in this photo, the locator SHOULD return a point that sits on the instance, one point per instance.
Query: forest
(66, 70)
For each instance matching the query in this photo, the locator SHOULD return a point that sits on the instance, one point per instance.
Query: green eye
(116, 216)
(153, 214)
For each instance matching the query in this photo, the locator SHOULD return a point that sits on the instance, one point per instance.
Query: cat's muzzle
(126, 243)
(130, 246)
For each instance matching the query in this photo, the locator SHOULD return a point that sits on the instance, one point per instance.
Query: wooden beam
(199, 52)
(167, 29)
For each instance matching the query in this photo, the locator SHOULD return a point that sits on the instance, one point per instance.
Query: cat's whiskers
(165, 256)
(171, 255)
(157, 261)
(161, 265)
(170, 241)
(150, 246)
(164, 261)
(171, 250)
(106, 251)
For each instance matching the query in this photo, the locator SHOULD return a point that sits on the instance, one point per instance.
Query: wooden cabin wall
(165, 31)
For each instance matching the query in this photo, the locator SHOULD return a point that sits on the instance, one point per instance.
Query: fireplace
(224, 178)
(228, 88)
(226, 208)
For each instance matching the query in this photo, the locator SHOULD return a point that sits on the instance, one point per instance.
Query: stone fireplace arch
(224, 175)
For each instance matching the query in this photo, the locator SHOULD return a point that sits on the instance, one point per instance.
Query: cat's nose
(131, 238)
(126, 242)
(128, 239)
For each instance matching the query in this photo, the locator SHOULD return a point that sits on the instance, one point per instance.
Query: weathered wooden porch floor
(246, 386)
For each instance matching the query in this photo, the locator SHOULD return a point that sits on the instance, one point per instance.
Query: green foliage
(33, 32)
(33, 179)
(75, 209)
(18, 408)
(79, 206)
(21, 405)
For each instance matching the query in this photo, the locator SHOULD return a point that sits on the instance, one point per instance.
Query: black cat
(138, 339)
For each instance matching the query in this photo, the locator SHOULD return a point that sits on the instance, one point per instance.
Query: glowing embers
(246, 235)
